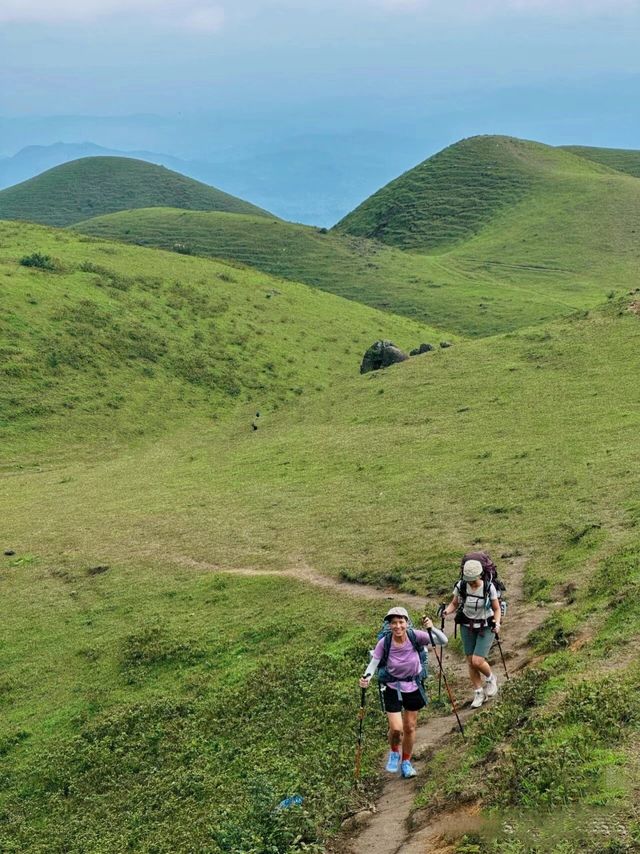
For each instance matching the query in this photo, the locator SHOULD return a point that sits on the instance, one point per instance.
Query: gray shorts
(477, 641)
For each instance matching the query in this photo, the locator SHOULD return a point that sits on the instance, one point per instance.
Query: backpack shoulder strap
(385, 650)
(422, 654)
(414, 640)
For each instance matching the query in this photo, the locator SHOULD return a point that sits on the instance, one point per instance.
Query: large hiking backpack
(489, 576)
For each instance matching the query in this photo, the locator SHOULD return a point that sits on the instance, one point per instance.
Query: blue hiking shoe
(407, 769)
(393, 762)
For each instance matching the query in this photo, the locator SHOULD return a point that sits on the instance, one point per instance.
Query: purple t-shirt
(403, 661)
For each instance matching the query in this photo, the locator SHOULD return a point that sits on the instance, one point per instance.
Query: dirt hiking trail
(303, 572)
(390, 827)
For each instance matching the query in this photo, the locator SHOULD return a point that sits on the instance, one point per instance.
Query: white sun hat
(472, 570)
(397, 612)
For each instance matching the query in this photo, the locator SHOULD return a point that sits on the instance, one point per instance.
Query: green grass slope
(524, 444)
(97, 185)
(492, 291)
(502, 234)
(113, 340)
(620, 159)
(458, 192)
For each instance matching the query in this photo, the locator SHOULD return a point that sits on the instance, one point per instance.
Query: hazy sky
(164, 56)
(306, 107)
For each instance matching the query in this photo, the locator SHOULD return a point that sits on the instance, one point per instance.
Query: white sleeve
(371, 667)
(439, 637)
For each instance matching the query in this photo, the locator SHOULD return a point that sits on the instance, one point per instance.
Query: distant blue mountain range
(316, 161)
(312, 180)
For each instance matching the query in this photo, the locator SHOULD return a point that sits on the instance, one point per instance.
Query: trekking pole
(446, 685)
(438, 657)
(504, 663)
(361, 711)
(441, 613)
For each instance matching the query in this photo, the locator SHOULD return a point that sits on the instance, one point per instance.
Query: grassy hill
(97, 185)
(621, 159)
(502, 234)
(168, 674)
(117, 733)
(114, 341)
(459, 192)
(470, 296)
(355, 268)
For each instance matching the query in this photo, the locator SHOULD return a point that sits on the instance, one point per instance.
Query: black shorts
(412, 701)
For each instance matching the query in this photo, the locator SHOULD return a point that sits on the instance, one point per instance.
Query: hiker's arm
(497, 614)
(368, 673)
(451, 608)
(439, 638)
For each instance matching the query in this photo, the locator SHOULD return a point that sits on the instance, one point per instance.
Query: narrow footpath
(390, 828)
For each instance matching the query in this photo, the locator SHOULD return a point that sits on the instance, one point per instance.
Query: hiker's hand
(427, 623)
(496, 628)
(364, 681)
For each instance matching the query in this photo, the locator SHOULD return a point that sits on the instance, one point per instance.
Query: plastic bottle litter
(293, 801)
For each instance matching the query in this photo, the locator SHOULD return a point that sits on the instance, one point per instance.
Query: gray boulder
(381, 355)
(423, 348)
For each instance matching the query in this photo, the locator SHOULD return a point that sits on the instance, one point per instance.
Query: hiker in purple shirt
(400, 658)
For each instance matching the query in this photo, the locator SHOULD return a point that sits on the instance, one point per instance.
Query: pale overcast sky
(120, 56)
(306, 107)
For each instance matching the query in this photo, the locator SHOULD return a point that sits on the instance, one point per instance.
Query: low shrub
(40, 262)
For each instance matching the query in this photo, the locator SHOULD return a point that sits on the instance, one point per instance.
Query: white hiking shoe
(491, 687)
(478, 698)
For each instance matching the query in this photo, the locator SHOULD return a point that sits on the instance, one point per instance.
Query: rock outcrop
(381, 355)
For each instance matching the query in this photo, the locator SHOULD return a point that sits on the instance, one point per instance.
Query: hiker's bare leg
(474, 673)
(409, 737)
(481, 665)
(395, 730)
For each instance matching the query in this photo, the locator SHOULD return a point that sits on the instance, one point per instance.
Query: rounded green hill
(455, 194)
(93, 186)
(491, 234)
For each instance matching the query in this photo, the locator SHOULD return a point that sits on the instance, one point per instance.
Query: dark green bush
(40, 261)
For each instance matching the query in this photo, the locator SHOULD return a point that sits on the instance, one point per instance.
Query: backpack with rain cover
(384, 675)
(489, 576)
